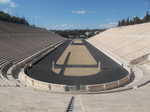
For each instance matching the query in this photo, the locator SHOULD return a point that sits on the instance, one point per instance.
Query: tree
(128, 21)
(119, 23)
(134, 20)
(8, 18)
(147, 17)
(137, 20)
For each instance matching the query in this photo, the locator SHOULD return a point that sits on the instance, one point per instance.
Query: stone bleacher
(129, 43)
(18, 42)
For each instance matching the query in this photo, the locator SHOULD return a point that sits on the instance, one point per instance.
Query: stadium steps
(142, 76)
(19, 42)
(146, 70)
(70, 107)
(9, 81)
(5, 82)
(121, 41)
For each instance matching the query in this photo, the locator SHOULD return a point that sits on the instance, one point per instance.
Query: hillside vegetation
(13, 19)
(135, 20)
(72, 34)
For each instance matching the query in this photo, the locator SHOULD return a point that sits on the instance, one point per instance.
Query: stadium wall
(36, 84)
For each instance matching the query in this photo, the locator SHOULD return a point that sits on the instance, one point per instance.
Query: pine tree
(119, 23)
(128, 21)
(135, 20)
(147, 17)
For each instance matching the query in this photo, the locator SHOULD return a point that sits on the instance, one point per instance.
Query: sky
(75, 14)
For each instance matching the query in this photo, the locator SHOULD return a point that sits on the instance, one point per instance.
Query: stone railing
(30, 82)
(110, 85)
(36, 84)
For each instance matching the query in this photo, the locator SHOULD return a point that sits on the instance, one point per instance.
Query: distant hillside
(78, 33)
(12, 19)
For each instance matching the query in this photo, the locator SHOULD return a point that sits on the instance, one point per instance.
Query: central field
(76, 62)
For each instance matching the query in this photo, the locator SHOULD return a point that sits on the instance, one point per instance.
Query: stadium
(42, 71)
(54, 67)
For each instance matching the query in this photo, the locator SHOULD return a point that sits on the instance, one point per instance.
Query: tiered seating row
(18, 42)
(129, 42)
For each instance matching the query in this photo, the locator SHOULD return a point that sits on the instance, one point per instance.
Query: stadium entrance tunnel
(77, 65)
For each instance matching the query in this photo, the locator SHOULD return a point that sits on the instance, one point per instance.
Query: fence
(66, 88)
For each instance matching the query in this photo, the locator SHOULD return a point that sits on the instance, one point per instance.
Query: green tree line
(80, 33)
(135, 20)
(13, 19)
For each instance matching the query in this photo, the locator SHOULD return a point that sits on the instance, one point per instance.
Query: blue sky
(75, 14)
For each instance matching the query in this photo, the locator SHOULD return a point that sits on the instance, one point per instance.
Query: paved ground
(127, 101)
(109, 71)
(29, 100)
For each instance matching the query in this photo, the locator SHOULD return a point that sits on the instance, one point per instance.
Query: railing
(75, 88)
(70, 107)
(111, 85)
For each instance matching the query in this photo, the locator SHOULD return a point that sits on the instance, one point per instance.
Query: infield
(76, 60)
(76, 63)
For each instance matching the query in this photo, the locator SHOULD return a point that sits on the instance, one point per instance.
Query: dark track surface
(111, 71)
